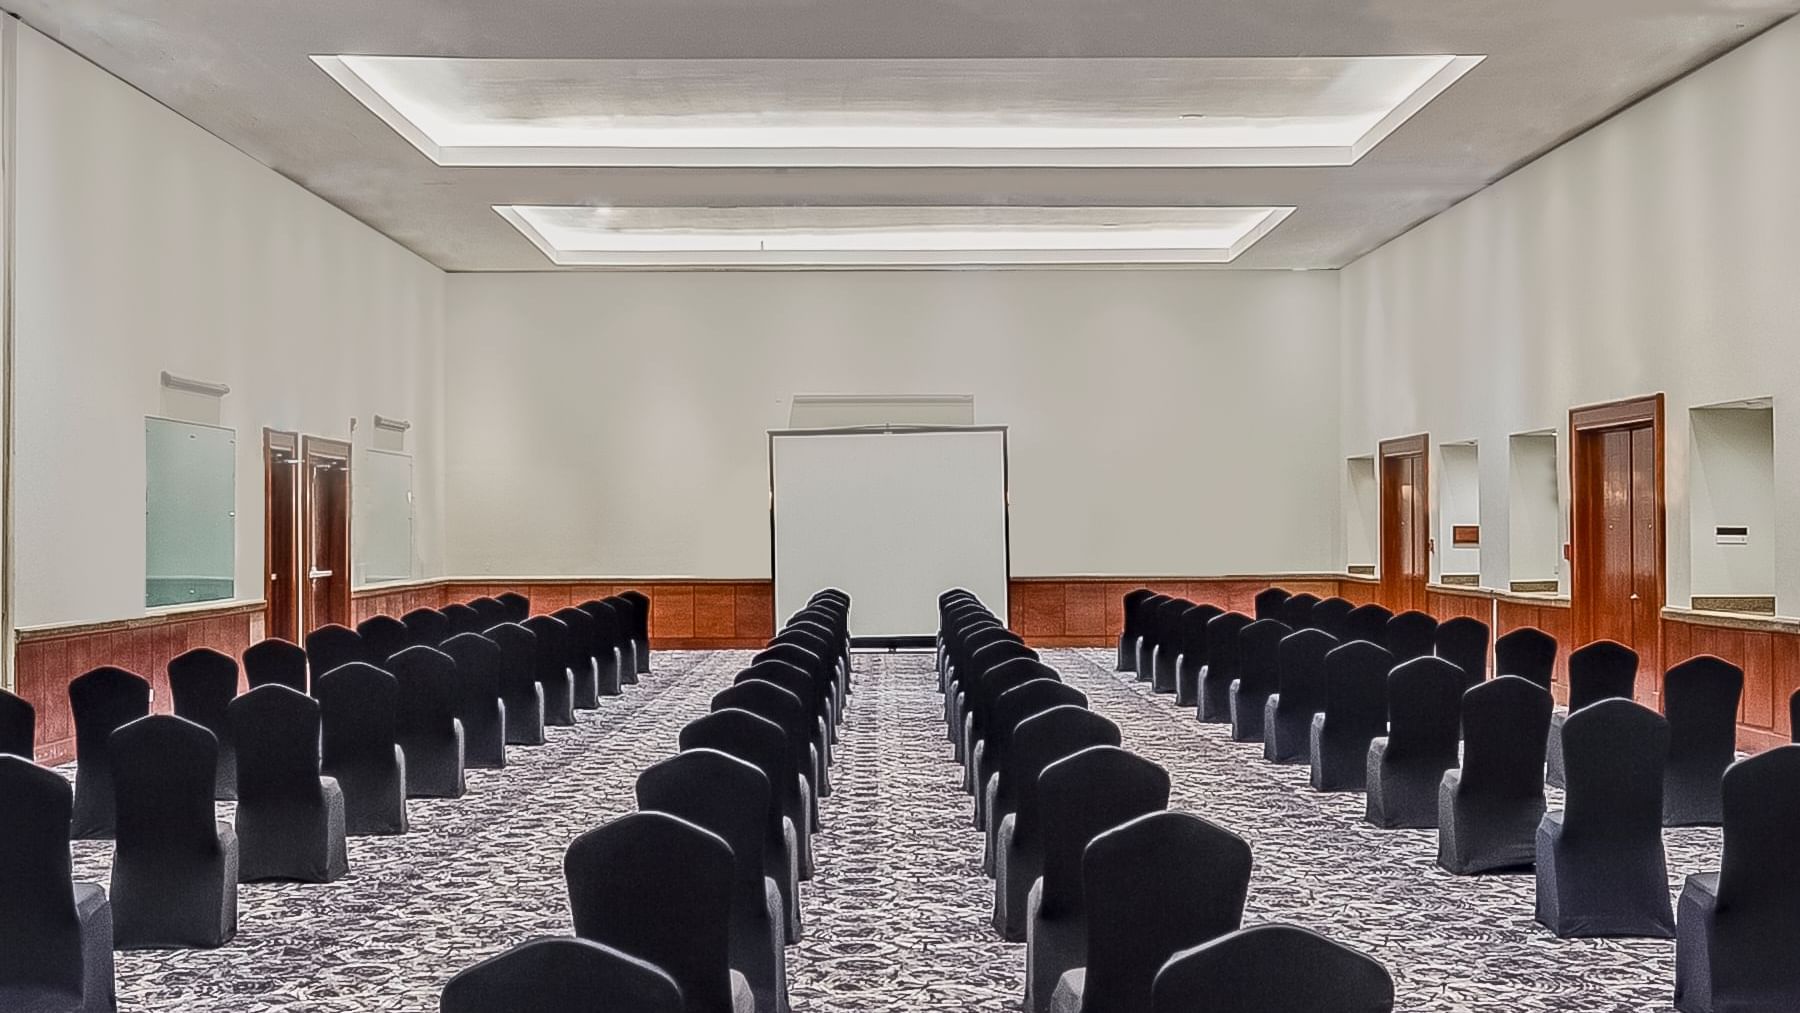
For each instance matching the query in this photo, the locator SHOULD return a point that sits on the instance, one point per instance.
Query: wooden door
(325, 532)
(281, 534)
(1617, 547)
(1405, 523)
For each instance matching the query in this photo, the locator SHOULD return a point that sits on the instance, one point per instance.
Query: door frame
(276, 441)
(1388, 565)
(1585, 423)
(313, 450)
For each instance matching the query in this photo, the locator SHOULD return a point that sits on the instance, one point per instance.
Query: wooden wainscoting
(398, 599)
(1090, 611)
(685, 614)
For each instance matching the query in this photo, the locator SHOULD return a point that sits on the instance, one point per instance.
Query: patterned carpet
(896, 919)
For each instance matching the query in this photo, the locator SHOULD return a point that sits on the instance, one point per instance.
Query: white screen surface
(892, 518)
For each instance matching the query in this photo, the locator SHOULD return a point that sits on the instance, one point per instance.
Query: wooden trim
(35, 634)
(1628, 412)
(1465, 534)
(1733, 620)
(1401, 590)
(1405, 446)
(1271, 579)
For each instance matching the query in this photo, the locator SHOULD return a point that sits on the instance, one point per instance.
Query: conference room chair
(359, 714)
(821, 661)
(1463, 642)
(994, 644)
(1411, 634)
(1738, 929)
(1132, 629)
(1154, 887)
(1700, 698)
(1300, 693)
(578, 657)
(202, 683)
(426, 627)
(638, 619)
(725, 795)
(1367, 622)
(1223, 657)
(1259, 667)
(175, 867)
(383, 637)
(426, 726)
(101, 702)
(1528, 653)
(1168, 644)
(1015, 705)
(521, 694)
(1355, 714)
(332, 646)
(1272, 969)
(968, 629)
(1424, 725)
(1330, 615)
(967, 685)
(1080, 797)
(1149, 634)
(1267, 603)
(18, 726)
(1598, 671)
(55, 934)
(490, 612)
(805, 688)
(275, 662)
(767, 689)
(560, 974)
(979, 721)
(552, 673)
(659, 888)
(791, 836)
(760, 743)
(1018, 850)
(1601, 870)
(1489, 809)
(1297, 611)
(815, 633)
(1014, 773)
(628, 646)
(609, 640)
(290, 819)
(818, 697)
(464, 617)
(479, 706)
(1192, 659)
(518, 607)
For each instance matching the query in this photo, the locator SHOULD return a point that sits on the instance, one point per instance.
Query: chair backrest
(1463, 642)
(1424, 698)
(331, 646)
(1411, 634)
(1356, 677)
(1193, 633)
(103, 701)
(466, 618)
(277, 734)
(1267, 603)
(1155, 886)
(753, 739)
(1506, 724)
(427, 626)
(773, 703)
(202, 682)
(560, 974)
(1759, 881)
(1168, 623)
(1000, 679)
(581, 635)
(1367, 622)
(1082, 796)
(1017, 704)
(1599, 671)
(1297, 611)
(427, 682)
(1329, 615)
(518, 657)
(1300, 669)
(18, 726)
(164, 769)
(490, 611)
(1614, 754)
(1272, 969)
(275, 661)
(359, 708)
(1222, 654)
(518, 607)
(1259, 651)
(640, 612)
(790, 677)
(716, 791)
(383, 637)
(1134, 617)
(1039, 741)
(1700, 698)
(478, 671)
(40, 935)
(1528, 653)
(552, 647)
(658, 888)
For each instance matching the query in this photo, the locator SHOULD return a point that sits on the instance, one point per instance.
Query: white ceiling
(243, 70)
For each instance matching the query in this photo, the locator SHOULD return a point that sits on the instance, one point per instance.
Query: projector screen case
(893, 515)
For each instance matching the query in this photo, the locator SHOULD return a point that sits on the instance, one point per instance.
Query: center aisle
(898, 916)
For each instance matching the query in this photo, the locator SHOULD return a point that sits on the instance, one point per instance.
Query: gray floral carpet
(897, 917)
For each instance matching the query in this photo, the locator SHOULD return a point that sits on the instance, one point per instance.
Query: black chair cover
(359, 707)
(202, 683)
(1463, 642)
(1267, 603)
(101, 702)
(628, 648)
(1133, 629)
(518, 607)
(1602, 670)
(1193, 653)
(1288, 717)
(1488, 811)
(1222, 663)
(464, 618)
(479, 667)
(1015, 705)
(640, 627)
(1528, 653)
(383, 637)
(581, 654)
(427, 730)
(553, 669)
(1331, 615)
(520, 693)
(1367, 622)
(277, 662)
(560, 974)
(1411, 634)
(1259, 673)
(1168, 644)
(799, 808)
(1355, 714)
(611, 645)
(993, 683)
(427, 627)
(18, 726)
(489, 612)
(798, 682)
(1297, 611)
(760, 743)
(331, 646)
(1700, 698)
(1406, 766)
(55, 934)
(1272, 969)
(290, 821)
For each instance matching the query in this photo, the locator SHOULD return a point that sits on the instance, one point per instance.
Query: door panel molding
(1594, 610)
(1405, 521)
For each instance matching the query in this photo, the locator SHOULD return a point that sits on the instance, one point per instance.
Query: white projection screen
(893, 516)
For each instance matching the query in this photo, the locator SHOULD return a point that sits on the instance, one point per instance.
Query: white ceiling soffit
(897, 113)
(889, 236)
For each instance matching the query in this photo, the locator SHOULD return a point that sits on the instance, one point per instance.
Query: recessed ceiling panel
(889, 236)
(1078, 112)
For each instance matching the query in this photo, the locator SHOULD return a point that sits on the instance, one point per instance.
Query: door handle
(1634, 597)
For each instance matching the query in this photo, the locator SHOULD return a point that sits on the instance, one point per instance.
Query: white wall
(1656, 252)
(1162, 422)
(1732, 484)
(145, 244)
(1459, 502)
(1536, 529)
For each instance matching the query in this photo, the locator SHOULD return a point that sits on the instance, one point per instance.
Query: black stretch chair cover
(1406, 766)
(1222, 657)
(290, 820)
(1259, 675)
(807, 654)
(1411, 634)
(1331, 615)
(1150, 612)
(659, 888)
(359, 713)
(427, 730)
(1601, 870)
(1602, 670)
(762, 744)
(1700, 698)
(1489, 810)
(1128, 637)
(721, 793)
(55, 934)
(331, 646)
(994, 683)
(1367, 622)
(1297, 611)
(1155, 886)
(628, 647)
(175, 869)
(383, 637)
(520, 693)
(479, 669)
(640, 627)
(1015, 705)
(518, 607)
(799, 682)
(466, 618)
(18, 726)
(202, 683)
(1080, 797)
(799, 808)
(275, 662)
(970, 677)
(1267, 603)
(427, 627)
(1193, 653)
(1039, 741)
(1528, 653)
(552, 657)
(1168, 644)
(1288, 715)
(490, 611)
(581, 654)
(101, 702)
(1355, 714)
(608, 636)
(1272, 969)
(1463, 642)
(560, 974)
(1738, 929)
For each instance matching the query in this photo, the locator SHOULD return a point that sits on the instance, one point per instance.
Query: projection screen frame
(893, 643)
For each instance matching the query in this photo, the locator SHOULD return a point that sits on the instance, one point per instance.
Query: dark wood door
(281, 534)
(1405, 523)
(325, 534)
(1617, 551)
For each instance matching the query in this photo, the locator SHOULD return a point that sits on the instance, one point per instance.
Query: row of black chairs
(686, 905)
(1388, 725)
(1121, 904)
